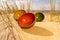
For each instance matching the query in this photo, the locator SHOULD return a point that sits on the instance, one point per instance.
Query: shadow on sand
(35, 30)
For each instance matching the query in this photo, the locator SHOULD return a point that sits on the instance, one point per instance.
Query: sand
(45, 30)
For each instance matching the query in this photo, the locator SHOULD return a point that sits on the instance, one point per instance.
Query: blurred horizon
(35, 4)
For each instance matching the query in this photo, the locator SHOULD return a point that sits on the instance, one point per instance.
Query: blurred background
(50, 8)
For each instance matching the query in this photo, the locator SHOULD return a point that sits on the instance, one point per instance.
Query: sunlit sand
(44, 30)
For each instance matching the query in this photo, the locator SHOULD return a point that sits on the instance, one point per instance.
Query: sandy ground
(45, 30)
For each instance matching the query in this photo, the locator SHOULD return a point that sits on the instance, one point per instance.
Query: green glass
(39, 16)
